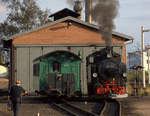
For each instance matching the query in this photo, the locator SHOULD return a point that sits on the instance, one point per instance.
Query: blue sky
(132, 15)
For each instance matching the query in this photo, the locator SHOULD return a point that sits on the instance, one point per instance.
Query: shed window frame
(56, 66)
(36, 69)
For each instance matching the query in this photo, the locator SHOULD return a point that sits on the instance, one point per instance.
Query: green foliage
(23, 15)
(8, 29)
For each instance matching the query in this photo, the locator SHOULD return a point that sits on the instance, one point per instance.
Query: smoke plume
(2, 8)
(70, 2)
(104, 13)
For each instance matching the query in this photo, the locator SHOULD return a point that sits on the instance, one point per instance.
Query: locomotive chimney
(109, 50)
(88, 11)
(78, 8)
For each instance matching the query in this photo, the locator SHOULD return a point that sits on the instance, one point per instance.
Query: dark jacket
(15, 93)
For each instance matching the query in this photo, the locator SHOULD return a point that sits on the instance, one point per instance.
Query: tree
(24, 15)
(7, 29)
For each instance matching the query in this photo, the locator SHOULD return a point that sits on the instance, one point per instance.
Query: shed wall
(33, 54)
(23, 67)
(26, 55)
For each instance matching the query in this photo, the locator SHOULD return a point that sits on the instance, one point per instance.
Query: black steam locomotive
(108, 74)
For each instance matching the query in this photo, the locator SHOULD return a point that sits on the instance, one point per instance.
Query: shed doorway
(60, 70)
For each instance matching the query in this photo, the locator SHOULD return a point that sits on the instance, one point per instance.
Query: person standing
(15, 94)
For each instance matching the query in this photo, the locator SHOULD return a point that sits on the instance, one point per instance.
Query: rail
(73, 110)
(111, 108)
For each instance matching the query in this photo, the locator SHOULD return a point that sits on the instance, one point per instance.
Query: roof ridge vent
(64, 13)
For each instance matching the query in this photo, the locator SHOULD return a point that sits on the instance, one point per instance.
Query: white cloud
(3, 12)
(2, 8)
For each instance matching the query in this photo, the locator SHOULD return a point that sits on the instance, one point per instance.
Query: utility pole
(148, 66)
(148, 62)
(142, 42)
(143, 70)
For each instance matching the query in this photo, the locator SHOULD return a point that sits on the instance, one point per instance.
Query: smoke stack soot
(104, 13)
(70, 2)
(78, 8)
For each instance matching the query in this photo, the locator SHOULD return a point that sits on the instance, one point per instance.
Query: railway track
(72, 110)
(111, 108)
(100, 108)
(106, 108)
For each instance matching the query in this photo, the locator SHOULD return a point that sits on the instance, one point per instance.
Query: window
(36, 69)
(56, 66)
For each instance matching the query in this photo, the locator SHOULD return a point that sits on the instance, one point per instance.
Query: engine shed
(59, 48)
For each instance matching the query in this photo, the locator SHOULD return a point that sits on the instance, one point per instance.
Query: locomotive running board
(114, 96)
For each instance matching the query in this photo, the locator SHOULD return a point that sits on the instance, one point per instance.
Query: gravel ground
(89, 106)
(30, 110)
(3, 83)
(131, 106)
(136, 106)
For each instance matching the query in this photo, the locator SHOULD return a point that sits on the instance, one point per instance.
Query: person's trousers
(16, 108)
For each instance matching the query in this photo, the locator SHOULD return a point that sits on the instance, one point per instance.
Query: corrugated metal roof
(69, 18)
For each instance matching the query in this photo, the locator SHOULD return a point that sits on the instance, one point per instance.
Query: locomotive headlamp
(95, 75)
(124, 74)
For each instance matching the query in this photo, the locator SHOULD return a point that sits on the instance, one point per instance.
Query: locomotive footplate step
(114, 96)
